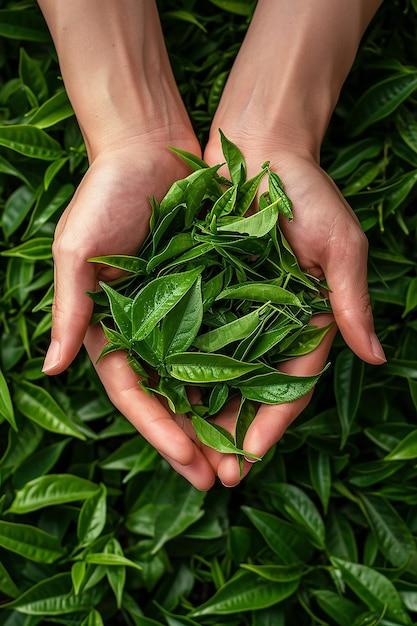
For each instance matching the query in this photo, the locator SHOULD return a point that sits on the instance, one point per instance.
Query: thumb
(346, 275)
(71, 311)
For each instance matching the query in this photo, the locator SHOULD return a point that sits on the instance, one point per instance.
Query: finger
(71, 311)
(346, 275)
(152, 420)
(199, 473)
(271, 421)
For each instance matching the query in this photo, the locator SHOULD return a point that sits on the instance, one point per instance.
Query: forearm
(292, 65)
(115, 68)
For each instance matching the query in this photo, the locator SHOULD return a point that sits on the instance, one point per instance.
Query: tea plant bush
(94, 527)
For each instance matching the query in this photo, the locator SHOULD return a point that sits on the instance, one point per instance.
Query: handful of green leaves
(214, 298)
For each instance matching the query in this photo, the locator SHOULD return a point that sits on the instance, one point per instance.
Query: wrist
(116, 70)
(287, 78)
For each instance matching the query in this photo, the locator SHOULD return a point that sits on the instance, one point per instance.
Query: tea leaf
(215, 437)
(234, 159)
(157, 298)
(51, 490)
(275, 387)
(245, 591)
(202, 367)
(39, 406)
(30, 542)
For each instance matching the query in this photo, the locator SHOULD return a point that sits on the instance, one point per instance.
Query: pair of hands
(109, 215)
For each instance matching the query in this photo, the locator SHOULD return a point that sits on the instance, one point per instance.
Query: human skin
(276, 106)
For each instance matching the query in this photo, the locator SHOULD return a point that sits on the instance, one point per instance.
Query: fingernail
(52, 356)
(230, 486)
(377, 349)
(249, 460)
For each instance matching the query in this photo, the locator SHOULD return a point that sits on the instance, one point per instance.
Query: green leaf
(256, 225)
(53, 111)
(239, 7)
(51, 490)
(278, 195)
(116, 341)
(340, 536)
(39, 462)
(349, 157)
(175, 392)
(92, 517)
(38, 405)
(260, 292)
(282, 538)
(200, 367)
(157, 298)
(48, 203)
(269, 339)
(240, 328)
(404, 368)
(121, 308)
(225, 203)
(320, 475)
(348, 381)
(340, 609)
(93, 619)
(245, 417)
(182, 323)
(191, 159)
(306, 341)
(132, 264)
(116, 575)
(16, 209)
(37, 249)
(247, 192)
(215, 437)
(362, 177)
(374, 589)
(411, 297)
(276, 573)
(245, 591)
(300, 509)
(52, 596)
(186, 16)
(275, 387)
(32, 75)
(407, 127)
(7, 586)
(405, 450)
(30, 141)
(110, 560)
(380, 100)
(21, 445)
(176, 517)
(27, 25)
(6, 405)
(30, 542)
(52, 171)
(234, 159)
(177, 245)
(136, 450)
(395, 539)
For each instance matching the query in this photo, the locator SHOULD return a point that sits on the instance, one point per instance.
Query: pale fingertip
(52, 358)
(250, 460)
(377, 349)
(230, 486)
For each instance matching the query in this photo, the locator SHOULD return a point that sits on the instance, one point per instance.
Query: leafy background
(94, 527)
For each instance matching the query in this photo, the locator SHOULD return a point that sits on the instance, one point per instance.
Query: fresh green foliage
(95, 528)
(210, 301)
